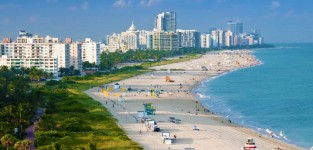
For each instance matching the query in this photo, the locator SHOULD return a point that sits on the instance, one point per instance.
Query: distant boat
(250, 145)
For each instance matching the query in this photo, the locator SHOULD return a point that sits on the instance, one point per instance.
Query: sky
(280, 21)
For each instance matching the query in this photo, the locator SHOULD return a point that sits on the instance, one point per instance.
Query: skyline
(279, 21)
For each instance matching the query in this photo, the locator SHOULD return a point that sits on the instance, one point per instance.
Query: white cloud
(275, 4)
(148, 2)
(85, 5)
(121, 3)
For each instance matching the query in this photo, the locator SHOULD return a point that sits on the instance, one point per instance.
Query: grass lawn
(73, 119)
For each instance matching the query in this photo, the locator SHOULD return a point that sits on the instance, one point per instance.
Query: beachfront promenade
(175, 100)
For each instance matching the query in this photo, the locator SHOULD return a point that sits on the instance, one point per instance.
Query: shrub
(52, 83)
(47, 137)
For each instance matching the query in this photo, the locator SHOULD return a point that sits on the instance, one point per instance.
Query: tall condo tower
(235, 27)
(166, 21)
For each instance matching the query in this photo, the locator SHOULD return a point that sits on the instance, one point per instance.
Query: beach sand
(176, 100)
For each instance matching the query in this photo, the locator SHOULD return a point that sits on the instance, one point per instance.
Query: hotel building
(235, 27)
(28, 51)
(188, 38)
(91, 51)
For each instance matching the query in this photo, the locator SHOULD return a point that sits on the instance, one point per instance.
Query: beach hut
(166, 138)
(117, 86)
(149, 109)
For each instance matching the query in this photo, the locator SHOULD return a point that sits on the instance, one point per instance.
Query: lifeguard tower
(149, 109)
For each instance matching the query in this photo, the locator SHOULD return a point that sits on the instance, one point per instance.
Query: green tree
(22, 116)
(57, 146)
(62, 71)
(26, 144)
(71, 70)
(91, 146)
(23, 145)
(7, 140)
(18, 145)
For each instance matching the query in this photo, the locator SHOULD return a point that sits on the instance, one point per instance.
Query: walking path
(30, 131)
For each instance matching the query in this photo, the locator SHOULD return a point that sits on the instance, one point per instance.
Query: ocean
(275, 96)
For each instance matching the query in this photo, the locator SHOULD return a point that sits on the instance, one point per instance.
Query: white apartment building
(188, 38)
(218, 38)
(229, 38)
(76, 55)
(143, 39)
(206, 41)
(61, 51)
(91, 51)
(165, 40)
(33, 51)
(166, 21)
(112, 43)
(130, 38)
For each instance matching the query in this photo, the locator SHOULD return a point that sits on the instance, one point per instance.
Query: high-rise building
(62, 53)
(166, 21)
(113, 43)
(206, 41)
(143, 39)
(229, 38)
(235, 27)
(76, 55)
(188, 38)
(218, 38)
(165, 40)
(164, 36)
(91, 51)
(130, 38)
(28, 51)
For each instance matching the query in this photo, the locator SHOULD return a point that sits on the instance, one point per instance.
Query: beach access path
(176, 100)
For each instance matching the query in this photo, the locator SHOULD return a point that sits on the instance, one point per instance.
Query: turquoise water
(276, 95)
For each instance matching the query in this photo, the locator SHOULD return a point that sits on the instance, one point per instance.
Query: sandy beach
(174, 99)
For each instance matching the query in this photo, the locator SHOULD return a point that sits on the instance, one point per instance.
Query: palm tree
(7, 140)
(18, 145)
(57, 146)
(22, 115)
(22, 145)
(71, 70)
(26, 144)
(62, 71)
(91, 146)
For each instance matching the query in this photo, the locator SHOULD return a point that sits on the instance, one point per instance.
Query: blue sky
(278, 20)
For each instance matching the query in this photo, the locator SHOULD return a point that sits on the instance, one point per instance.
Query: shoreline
(215, 131)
